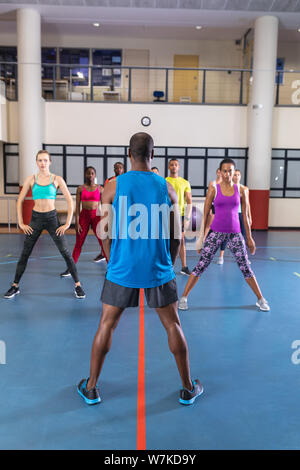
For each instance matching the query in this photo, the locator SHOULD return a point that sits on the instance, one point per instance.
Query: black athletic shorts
(182, 223)
(123, 297)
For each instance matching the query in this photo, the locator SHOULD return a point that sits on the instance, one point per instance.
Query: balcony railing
(129, 84)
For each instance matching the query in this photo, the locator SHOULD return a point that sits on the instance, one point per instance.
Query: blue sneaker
(187, 397)
(91, 397)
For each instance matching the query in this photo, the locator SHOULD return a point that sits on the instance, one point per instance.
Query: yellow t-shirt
(181, 187)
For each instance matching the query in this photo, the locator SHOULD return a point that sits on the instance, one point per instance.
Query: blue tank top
(47, 191)
(140, 250)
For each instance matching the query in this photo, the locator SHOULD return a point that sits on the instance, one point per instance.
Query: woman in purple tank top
(226, 228)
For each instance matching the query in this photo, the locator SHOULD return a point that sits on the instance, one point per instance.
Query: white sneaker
(220, 260)
(183, 305)
(263, 305)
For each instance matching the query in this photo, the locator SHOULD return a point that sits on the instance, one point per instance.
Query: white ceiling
(155, 22)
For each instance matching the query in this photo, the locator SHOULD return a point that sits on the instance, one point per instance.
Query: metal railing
(141, 84)
(136, 84)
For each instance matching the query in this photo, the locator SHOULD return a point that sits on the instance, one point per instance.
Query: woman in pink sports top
(88, 197)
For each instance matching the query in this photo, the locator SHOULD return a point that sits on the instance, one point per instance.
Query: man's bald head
(141, 146)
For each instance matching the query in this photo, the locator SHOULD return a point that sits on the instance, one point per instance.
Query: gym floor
(244, 357)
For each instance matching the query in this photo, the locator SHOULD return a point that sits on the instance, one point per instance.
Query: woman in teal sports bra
(44, 186)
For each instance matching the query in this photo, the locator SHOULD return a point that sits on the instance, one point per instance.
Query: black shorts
(123, 297)
(182, 223)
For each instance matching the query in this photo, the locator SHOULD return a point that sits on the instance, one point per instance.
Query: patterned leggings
(235, 243)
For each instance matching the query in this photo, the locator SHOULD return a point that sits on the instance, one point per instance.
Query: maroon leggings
(87, 219)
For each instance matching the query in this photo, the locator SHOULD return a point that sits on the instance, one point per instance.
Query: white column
(29, 90)
(261, 115)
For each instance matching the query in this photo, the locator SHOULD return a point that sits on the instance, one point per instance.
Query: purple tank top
(226, 218)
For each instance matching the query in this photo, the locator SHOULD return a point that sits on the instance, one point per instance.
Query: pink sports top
(226, 218)
(90, 195)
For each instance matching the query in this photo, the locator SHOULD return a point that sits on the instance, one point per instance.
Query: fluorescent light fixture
(96, 25)
(298, 30)
(199, 27)
(80, 75)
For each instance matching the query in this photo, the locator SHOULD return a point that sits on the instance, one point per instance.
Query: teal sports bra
(47, 191)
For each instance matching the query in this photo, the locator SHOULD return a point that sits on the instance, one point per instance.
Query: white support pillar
(261, 117)
(29, 90)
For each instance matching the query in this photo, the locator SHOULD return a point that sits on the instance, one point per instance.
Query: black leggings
(45, 221)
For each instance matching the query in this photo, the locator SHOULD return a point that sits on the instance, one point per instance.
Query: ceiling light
(96, 25)
(198, 27)
(298, 30)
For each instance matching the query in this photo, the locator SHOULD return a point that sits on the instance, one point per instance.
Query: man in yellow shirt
(184, 193)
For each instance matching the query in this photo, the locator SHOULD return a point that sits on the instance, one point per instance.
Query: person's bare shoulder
(172, 194)
(109, 191)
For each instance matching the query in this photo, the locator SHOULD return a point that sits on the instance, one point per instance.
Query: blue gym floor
(241, 355)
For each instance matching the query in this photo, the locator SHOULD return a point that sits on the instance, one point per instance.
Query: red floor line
(141, 418)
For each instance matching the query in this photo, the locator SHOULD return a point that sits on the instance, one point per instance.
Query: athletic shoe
(183, 305)
(11, 292)
(187, 397)
(263, 305)
(79, 292)
(65, 274)
(99, 258)
(91, 397)
(185, 270)
(220, 260)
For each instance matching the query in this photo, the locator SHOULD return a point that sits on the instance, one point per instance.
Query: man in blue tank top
(138, 217)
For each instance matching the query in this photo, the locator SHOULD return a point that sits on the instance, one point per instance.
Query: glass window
(176, 152)
(95, 150)
(196, 172)
(293, 175)
(290, 193)
(54, 148)
(12, 169)
(159, 151)
(198, 192)
(194, 152)
(115, 150)
(57, 165)
(216, 153)
(11, 148)
(73, 190)
(276, 193)
(277, 174)
(75, 170)
(75, 150)
(212, 166)
(278, 153)
(160, 164)
(107, 76)
(48, 57)
(79, 75)
(236, 153)
(293, 153)
(12, 190)
(8, 54)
